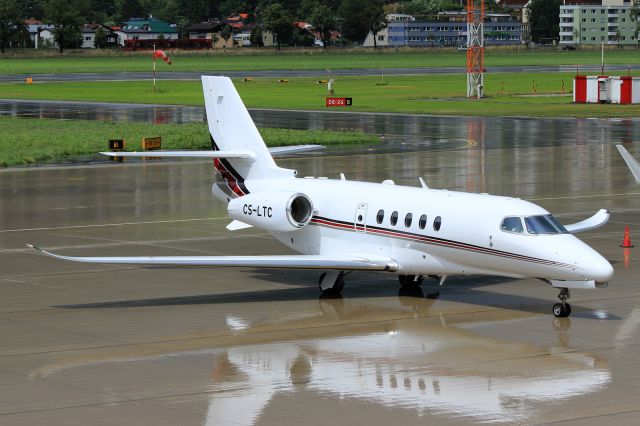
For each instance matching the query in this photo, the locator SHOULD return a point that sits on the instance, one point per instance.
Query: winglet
(595, 221)
(36, 248)
(632, 163)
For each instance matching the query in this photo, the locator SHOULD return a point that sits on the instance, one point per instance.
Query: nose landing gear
(563, 309)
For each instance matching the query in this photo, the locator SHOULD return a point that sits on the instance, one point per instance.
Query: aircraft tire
(410, 280)
(561, 311)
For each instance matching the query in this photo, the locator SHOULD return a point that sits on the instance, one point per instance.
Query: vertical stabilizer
(231, 128)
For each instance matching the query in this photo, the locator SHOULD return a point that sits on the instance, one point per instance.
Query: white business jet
(340, 226)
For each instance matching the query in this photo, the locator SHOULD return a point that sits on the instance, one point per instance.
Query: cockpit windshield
(546, 224)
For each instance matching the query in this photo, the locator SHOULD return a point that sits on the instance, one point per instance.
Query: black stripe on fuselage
(394, 233)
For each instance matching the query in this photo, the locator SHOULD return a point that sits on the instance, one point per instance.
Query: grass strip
(508, 94)
(29, 140)
(90, 61)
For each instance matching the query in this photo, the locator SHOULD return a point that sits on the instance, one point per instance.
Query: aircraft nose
(598, 268)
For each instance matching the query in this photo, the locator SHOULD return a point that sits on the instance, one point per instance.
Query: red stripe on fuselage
(435, 241)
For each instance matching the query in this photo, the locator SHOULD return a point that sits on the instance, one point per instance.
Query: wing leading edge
(244, 154)
(342, 263)
(633, 165)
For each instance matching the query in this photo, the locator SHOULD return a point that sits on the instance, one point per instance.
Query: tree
(100, 41)
(256, 37)
(425, 7)
(66, 21)
(635, 14)
(324, 21)
(10, 22)
(194, 11)
(544, 19)
(32, 9)
(277, 20)
(132, 9)
(377, 19)
(355, 25)
(226, 33)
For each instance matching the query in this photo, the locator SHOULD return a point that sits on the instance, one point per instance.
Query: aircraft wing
(245, 154)
(631, 162)
(277, 150)
(595, 221)
(338, 262)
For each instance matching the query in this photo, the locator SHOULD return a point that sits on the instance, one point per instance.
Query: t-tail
(232, 130)
(239, 154)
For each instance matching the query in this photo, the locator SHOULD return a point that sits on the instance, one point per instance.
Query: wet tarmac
(93, 344)
(178, 75)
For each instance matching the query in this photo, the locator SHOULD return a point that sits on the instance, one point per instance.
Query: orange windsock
(626, 242)
(161, 55)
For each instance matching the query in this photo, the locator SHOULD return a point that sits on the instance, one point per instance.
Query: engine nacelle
(273, 211)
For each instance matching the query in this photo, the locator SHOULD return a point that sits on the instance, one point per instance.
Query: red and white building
(606, 89)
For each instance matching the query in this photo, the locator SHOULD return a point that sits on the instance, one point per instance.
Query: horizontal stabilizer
(338, 262)
(277, 150)
(631, 162)
(595, 221)
(240, 153)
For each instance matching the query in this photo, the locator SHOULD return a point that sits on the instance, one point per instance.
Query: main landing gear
(331, 284)
(410, 281)
(563, 309)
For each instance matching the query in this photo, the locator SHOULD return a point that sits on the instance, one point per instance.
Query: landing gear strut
(563, 309)
(331, 284)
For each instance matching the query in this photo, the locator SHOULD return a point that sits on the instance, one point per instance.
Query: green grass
(28, 140)
(249, 59)
(507, 94)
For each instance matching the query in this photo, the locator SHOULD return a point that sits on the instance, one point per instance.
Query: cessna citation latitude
(340, 226)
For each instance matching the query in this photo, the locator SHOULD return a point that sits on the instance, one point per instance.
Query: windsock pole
(154, 67)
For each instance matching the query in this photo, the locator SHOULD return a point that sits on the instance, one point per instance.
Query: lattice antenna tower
(475, 48)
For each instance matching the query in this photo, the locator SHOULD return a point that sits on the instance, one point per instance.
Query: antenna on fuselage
(422, 182)
(342, 177)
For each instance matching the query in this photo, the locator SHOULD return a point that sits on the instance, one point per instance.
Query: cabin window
(437, 223)
(407, 220)
(422, 222)
(380, 216)
(544, 224)
(394, 218)
(512, 224)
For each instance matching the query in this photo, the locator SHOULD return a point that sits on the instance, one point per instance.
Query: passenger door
(360, 220)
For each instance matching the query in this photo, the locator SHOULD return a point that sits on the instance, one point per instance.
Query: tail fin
(231, 129)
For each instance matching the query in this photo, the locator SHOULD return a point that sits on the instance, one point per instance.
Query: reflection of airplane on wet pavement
(437, 368)
(376, 353)
(341, 226)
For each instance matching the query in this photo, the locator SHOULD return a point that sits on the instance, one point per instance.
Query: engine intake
(273, 211)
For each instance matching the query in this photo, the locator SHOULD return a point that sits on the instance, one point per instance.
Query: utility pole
(475, 48)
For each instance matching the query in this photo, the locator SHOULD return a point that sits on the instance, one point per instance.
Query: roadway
(170, 75)
(95, 344)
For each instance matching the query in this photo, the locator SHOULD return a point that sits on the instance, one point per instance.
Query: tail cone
(626, 242)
